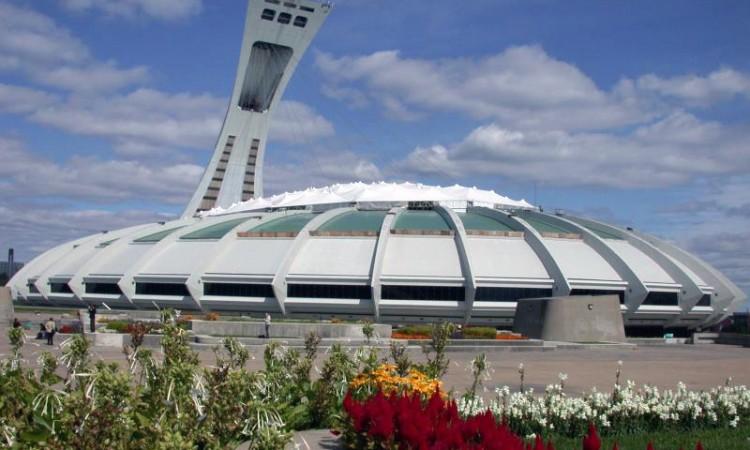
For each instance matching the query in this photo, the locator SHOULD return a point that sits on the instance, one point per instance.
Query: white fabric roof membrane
(375, 192)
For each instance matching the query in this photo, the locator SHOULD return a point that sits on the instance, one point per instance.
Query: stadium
(391, 252)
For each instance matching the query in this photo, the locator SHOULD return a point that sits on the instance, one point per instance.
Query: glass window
(216, 231)
(443, 293)
(705, 300)
(166, 289)
(103, 288)
(285, 18)
(60, 288)
(300, 21)
(620, 294)
(238, 290)
(329, 291)
(505, 294)
(268, 14)
(662, 299)
(264, 72)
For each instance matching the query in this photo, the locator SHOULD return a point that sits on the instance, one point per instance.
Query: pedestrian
(42, 331)
(268, 325)
(16, 323)
(92, 318)
(50, 329)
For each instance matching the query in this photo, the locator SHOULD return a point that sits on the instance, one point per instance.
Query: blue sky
(634, 112)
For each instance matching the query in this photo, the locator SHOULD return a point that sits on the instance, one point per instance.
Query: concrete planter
(285, 330)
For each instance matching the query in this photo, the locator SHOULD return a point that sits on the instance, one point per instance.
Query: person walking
(92, 318)
(16, 323)
(50, 329)
(268, 325)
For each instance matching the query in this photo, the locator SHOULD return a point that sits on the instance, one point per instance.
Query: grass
(479, 333)
(713, 439)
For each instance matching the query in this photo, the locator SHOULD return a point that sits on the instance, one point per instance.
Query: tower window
(300, 21)
(285, 18)
(268, 14)
(264, 73)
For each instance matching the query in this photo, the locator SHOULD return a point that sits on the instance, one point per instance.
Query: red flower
(650, 446)
(592, 441)
(699, 446)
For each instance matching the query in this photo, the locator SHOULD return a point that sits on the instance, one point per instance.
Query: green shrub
(119, 326)
(479, 333)
(416, 330)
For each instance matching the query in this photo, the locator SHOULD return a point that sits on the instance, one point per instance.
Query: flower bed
(406, 422)
(401, 421)
(386, 379)
(626, 409)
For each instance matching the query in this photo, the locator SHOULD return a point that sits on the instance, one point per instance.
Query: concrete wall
(286, 330)
(571, 319)
(6, 307)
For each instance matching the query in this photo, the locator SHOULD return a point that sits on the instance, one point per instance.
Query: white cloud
(34, 228)
(33, 44)
(25, 174)
(319, 168)
(92, 78)
(158, 9)
(30, 38)
(21, 100)
(718, 85)
(143, 117)
(668, 152)
(519, 87)
(295, 122)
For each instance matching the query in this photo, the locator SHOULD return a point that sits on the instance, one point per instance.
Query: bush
(479, 333)
(120, 326)
(212, 316)
(414, 331)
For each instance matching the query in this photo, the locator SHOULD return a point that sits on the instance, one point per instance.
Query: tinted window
(238, 290)
(167, 289)
(620, 294)
(447, 293)
(329, 291)
(498, 294)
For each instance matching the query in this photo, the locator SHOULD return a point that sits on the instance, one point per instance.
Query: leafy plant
(437, 361)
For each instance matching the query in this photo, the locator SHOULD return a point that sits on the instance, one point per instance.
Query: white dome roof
(381, 192)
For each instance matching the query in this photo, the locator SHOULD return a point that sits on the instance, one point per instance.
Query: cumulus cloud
(319, 168)
(33, 228)
(33, 44)
(521, 86)
(143, 118)
(26, 174)
(296, 122)
(158, 9)
(21, 100)
(28, 37)
(668, 152)
(718, 85)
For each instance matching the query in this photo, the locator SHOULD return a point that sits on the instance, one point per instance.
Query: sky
(633, 112)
